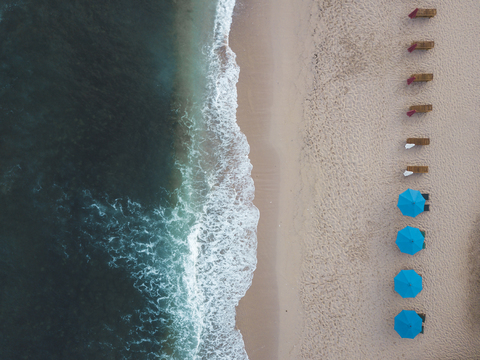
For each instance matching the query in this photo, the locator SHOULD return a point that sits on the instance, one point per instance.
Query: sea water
(127, 229)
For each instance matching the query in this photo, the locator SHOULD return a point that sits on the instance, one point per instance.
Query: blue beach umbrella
(411, 202)
(408, 283)
(408, 324)
(410, 240)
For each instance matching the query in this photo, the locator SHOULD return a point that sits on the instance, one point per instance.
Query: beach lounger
(419, 13)
(426, 196)
(418, 108)
(418, 169)
(426, 207)
(423, 316)
(429, 13)
(421, 108)
(421, 77)
(422, 45)
(424, 234)
(418, 141)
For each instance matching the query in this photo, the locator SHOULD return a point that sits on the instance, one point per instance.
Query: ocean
(127, 228)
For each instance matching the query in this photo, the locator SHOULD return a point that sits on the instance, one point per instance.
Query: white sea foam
(154, 248)
(226, 221)
(195, 261)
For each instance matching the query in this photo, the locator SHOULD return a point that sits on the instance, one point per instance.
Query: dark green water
(85, 94)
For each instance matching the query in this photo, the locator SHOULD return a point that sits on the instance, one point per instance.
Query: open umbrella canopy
(411, 202)
(408, 324)
(410, 240)
(408, 283)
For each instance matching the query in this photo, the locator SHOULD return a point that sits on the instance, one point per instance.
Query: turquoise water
(127, 224)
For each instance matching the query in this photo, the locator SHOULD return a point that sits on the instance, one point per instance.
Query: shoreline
(257, 312)
(261, 33)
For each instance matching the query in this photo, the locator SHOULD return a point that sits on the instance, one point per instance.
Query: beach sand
(323, 101)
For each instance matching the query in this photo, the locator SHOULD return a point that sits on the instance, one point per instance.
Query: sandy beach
(323, 100)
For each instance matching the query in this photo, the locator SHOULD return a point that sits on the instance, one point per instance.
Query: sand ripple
(355, 127)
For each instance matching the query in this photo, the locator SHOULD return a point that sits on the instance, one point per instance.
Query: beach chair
(418, 141)
(418, 108)
(418, 169)
(421, 77)
(424, 234)
(419, 13)
(421, 108)
(423, 316)
(426, 196)
(423, 45)
(428, 13)
(426, 207)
